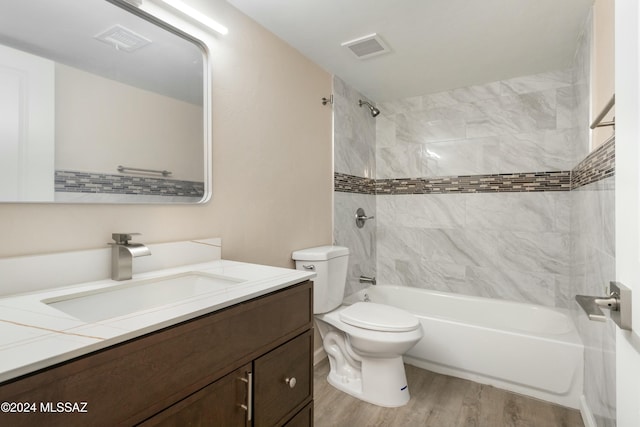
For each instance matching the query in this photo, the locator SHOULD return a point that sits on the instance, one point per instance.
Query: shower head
(374, 110)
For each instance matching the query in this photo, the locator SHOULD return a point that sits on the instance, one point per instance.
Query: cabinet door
(223, 403)
(303, 418)
(283, 381)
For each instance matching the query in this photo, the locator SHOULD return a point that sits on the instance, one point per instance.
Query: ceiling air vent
(123, 38)
(367, 46)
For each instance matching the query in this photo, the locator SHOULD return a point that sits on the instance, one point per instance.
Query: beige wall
(603, 81)
(272, 164)
(141, 129)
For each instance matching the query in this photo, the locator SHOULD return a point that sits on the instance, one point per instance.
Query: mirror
(100, 103)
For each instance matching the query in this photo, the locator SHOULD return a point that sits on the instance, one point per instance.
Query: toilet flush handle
(308, 266)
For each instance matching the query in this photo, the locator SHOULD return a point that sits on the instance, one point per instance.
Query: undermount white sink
(132, 297)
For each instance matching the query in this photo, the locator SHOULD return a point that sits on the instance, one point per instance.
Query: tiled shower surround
(472, 189)
(593, 247)
(432, 153)
(463, 233)
(488, 190)
(354, 159)
(593, 266)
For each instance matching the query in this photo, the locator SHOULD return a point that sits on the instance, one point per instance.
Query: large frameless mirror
(100, 103)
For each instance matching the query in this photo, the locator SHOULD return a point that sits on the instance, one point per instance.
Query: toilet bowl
(367, 363)
(364, 341)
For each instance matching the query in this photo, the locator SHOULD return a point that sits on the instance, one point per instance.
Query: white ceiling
(436, 44)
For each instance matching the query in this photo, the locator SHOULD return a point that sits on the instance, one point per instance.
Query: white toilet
(364, 341)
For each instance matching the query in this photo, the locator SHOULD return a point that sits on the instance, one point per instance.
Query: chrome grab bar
(598, 121)
(126, 168)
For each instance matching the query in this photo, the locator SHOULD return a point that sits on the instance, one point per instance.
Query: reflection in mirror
(101, 104)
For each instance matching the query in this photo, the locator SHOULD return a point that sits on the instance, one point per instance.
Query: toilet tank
(330, 264)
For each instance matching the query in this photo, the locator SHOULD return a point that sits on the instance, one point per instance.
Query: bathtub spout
(365, 279)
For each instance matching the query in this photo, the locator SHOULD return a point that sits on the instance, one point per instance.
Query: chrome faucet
(123, 253)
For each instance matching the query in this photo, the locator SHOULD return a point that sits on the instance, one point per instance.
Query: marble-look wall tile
(592, 248)
(592, 267)
(546, 150)
(423, 211)
(533, 287)
(565, 107)
(354, 154)
(463, 95)
(582, 80)
(389, 108)
(414, 128)
(514, 114)
(360, 241)
(385, 132)
(508, 246)
(354, 133)
(406, 161)
(511, 246)
(537, 82)
(522, 124)
(520, 212)
(471, 156)
(534, 252)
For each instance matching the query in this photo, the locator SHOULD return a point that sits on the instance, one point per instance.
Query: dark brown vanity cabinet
(283, 379)
(246, 365)
(217, 404)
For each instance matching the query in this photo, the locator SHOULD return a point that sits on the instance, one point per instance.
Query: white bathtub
(525, 348)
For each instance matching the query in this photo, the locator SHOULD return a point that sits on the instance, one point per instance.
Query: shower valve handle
(364, 217)
(361, 217)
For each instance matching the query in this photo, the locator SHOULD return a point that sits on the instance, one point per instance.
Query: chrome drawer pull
(249, 406)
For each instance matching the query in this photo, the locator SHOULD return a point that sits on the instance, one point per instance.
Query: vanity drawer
(129, 382)
(283, 381)
(218, 404)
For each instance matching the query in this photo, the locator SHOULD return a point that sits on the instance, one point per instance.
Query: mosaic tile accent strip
(498, 183)
(353, 184)
(598, 165)
(89, 182)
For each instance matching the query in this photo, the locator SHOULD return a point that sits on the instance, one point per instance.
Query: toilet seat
(379, 317)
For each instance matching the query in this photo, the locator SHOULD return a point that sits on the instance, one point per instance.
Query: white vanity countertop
(34, 335)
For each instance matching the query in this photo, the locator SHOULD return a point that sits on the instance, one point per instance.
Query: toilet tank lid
(320, 253)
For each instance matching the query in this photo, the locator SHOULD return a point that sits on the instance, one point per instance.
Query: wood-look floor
(438, 401)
